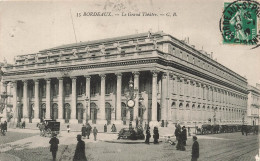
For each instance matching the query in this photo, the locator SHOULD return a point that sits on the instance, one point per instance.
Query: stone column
(154, 99)
(15, 110)
(198, 90)
(176, 108)
(60, 101)
(36, 101)
(136, 86)
(48, 98)
(163, 97)
(182, 86)
(188, 88)
(25, 101)
(102, 119)
(170, 92)
(74, 101)
(118, 98)
(87, 112)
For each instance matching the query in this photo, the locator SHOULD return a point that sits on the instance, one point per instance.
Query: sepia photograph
(129, 80)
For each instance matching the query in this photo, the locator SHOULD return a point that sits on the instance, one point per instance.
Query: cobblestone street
(217, 147)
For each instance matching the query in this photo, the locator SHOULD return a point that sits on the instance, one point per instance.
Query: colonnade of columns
(73, 98)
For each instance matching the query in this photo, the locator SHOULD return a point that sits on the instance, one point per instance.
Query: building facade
(91, 81)
(253, 105)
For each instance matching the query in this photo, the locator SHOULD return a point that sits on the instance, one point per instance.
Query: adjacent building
(150, 77)
(253, 104)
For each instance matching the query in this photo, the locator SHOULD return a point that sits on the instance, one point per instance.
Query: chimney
(212, 55)
(193, 46)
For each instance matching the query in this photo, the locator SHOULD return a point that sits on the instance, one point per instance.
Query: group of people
(21, 125)
(155, 135)
(86, 130)
(181, 137)
(3, 127)
(79, 152)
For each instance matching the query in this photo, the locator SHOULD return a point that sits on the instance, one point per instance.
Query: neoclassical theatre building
(152, 77)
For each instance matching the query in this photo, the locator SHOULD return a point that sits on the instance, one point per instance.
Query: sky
(27, 27)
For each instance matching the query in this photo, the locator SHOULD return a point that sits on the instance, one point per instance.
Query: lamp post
(87, 101)
(130, 95)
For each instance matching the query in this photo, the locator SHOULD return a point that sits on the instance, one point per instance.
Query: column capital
(14, 83)
(5, 83)
(193, 82)
(60, 78)
(198, 84)
(103, 76)
(25, 81)
(88, 77)
(119, 74)
(155, 73)
(136, 73)
(164, 75)
(188, 81)
(36, 80)
(47, 80)
(73, 78)
(180, 78)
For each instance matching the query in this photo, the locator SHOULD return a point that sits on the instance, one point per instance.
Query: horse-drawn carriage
(49, 127)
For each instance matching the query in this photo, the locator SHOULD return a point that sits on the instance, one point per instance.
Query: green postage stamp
(239, 22)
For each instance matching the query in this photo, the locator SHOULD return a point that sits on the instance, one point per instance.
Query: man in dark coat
(88, 128)
(105, 128)
(148, 135)
(80, 150)
(54, 146)
(83, 131)
(195, 149)
(155, 135)
(95, 131)
(5, 126)
(184, 135)
(178, 137)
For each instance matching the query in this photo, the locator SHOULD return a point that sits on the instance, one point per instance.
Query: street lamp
(87, 101)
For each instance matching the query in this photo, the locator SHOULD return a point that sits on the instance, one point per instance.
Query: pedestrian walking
(83, 131)
(184, 135)
(195, 149)
(54, 146)
(68, 128)
(148, 135)
(95, 131)
(145, 126)
(105, 128)
(80, 150)
(23, 125)
(179, 138)
(155, 135)
(88, 130)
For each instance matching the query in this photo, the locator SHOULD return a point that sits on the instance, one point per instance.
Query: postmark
(239, 23)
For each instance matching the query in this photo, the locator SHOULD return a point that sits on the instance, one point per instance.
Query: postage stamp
(239, 22)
